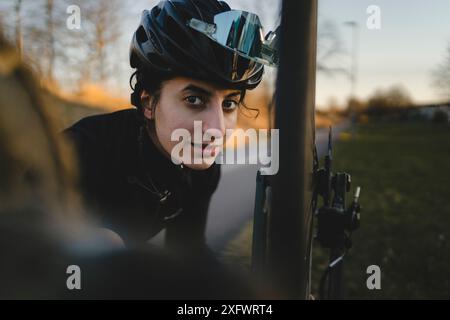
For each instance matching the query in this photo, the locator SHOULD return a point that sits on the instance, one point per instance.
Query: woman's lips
(204, 145)
(209, 147)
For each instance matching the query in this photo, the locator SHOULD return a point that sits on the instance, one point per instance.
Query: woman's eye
(194, 100)
(230, 105)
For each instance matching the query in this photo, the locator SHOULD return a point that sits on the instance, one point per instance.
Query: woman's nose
(214, 118)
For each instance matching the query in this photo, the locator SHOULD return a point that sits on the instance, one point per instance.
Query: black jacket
(118, 182)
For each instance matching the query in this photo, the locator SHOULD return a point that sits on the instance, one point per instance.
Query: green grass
(404, 171)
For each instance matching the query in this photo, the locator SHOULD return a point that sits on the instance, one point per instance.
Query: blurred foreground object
(36, 186)
(43, 229)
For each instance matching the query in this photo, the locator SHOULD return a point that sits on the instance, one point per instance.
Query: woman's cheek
(231, 120)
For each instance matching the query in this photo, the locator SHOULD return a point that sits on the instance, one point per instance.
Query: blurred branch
(104, 25)
(51, 39)
(18, 26)
(329, 48)
(441, 75)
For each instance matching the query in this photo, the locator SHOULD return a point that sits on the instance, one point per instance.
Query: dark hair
(151, 84)
(154, 84)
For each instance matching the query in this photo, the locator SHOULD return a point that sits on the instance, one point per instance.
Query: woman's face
(183, 101)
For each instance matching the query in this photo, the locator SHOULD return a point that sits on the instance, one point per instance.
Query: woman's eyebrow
(233, 94)
(205, 92)
(197, 89)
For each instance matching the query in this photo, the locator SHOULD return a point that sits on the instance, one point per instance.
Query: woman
(185, 72)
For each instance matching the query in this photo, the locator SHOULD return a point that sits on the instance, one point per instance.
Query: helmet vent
(141, 36)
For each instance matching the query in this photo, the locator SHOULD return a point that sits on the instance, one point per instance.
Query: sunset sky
(412, 40)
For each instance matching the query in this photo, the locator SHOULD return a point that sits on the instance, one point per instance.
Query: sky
(410, 43)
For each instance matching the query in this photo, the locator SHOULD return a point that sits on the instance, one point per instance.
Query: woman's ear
(145, 103)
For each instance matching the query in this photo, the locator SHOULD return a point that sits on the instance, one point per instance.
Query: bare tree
(3, 30)
(329, 49)
(43, 21)
(394, 98)
(51, 39)
(58, 54)
(103, 19)
(441, 76)
(18, 25)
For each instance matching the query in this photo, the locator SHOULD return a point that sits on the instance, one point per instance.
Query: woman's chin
(199, 166)
(197, 160)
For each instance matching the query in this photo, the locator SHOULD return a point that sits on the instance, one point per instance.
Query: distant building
(427, 111)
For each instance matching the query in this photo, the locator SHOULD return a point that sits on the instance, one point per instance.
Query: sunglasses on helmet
(241, 32)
